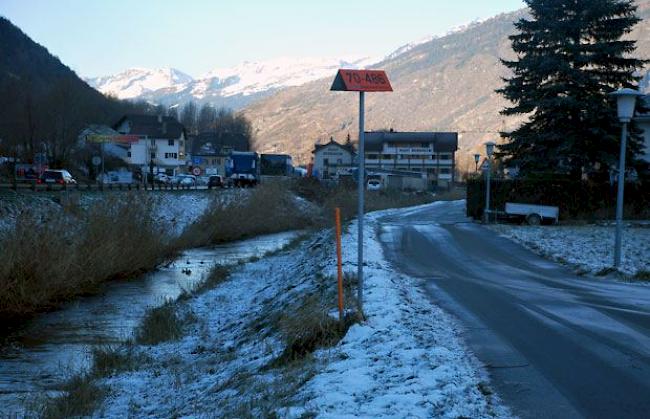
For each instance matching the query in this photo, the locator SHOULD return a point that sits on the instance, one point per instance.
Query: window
(170, 143)
(445, 171)
(339, 161)
(326, 162)
(128, 154)
(445, 156)
(171, 155)
(372, 157)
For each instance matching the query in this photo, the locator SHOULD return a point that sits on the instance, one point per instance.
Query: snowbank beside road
(588, 248)
(406, 360)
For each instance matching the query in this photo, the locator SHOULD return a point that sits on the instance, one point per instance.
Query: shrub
(81, 396)
(108, 361)
(576, 200)
(160, 324)
(269, 208)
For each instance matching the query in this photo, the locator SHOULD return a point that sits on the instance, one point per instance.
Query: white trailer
(533, 214)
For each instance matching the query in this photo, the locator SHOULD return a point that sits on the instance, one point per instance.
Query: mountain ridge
(232, 87)
(446, 84)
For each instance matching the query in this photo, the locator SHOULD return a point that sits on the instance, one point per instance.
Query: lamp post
(489, 150)
(626, 102)
(477, 158)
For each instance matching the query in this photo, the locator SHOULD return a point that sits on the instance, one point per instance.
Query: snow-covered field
(405, 360)
(590, 249)
(176, 209)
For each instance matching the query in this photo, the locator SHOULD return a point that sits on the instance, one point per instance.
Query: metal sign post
(361, 81)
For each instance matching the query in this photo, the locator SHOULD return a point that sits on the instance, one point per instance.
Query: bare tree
(207, 118)
(189, 117)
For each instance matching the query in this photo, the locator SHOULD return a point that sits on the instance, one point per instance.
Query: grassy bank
(269, 208)
(45, 262)
(49, 261)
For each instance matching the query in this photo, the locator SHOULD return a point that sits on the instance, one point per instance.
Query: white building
(161, 142)
(332, 159)
(431, 154)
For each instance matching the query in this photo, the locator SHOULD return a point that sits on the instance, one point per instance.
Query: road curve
(555, 345)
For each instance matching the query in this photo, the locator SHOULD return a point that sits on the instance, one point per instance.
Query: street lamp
(626, 102)
(477, 158)
(489, 150)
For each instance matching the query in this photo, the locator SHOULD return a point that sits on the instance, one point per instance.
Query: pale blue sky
(96, 37)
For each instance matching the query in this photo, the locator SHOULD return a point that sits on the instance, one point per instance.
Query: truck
(532, 214)
(243, 168)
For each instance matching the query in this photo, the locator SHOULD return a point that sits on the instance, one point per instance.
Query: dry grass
(80, 398)
(309, 328)
(81, 394)
(108, 361)
(46, 262)
(161, 324)
(217, 276)
(269, 208)
(642, 276)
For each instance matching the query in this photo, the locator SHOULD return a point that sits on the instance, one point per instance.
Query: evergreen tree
(570, 56)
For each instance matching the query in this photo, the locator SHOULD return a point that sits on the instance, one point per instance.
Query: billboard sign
(361, 81)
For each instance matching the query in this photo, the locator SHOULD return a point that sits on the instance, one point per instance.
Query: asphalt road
(555, 345)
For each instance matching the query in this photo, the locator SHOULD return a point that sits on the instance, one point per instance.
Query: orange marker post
(339, 262)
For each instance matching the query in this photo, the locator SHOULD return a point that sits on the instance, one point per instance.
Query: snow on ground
(405, 360)
(178, 209)
(588, 248)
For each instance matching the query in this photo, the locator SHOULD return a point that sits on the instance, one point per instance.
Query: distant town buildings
(332, 159)
(209, 152)
(402, 160)
(161, 143)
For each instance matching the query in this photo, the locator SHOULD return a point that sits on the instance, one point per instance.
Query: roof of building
(442, 141)
(347, 147)
(153, 126)
(213, 143)
(98, 129)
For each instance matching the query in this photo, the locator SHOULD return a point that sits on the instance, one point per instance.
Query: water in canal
(45, 351)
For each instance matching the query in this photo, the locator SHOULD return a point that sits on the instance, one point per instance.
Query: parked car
(60, 177)
(162, 178)
(185, 180)
(216, 181)
(374, 185)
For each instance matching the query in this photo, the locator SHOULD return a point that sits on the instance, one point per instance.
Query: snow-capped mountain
(232, 87)
(250, 78)
(137, 82)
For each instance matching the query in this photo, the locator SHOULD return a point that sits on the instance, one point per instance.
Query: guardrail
(97, 187)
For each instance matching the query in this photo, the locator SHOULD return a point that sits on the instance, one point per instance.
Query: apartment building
(431, 154)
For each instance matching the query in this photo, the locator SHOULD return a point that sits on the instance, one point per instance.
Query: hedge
(583, 200)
